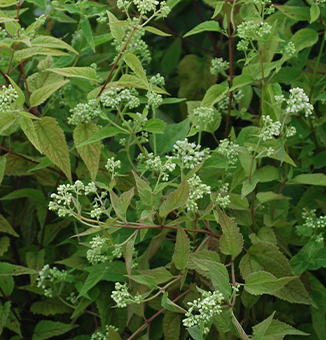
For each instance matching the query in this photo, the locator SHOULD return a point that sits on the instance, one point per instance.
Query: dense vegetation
(162, 169)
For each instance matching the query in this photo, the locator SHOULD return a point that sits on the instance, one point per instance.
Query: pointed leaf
(7, 269)
(46, 329)
(78, 72)
(6, 120)
(41, 95)
(261, 328)
(5, 227)
(220, 278)
(4, 313)
(214, 94)
(171, 325)
(121, 204)
(87, 32)
(3, 161)
(90, 154)
(144, 190)
(134, 63)
(53, 143)
(117, 31)
(27, 126)
(156, 31)
(21, 97)
(310, 179)
(32, 51)
(106, 132)
(51, 42)
(181, 249)
(210, 25)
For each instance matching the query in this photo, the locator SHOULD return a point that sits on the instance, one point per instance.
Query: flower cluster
(154, 99)
(157, 80)
(154, 163)
(227, 149)
(189, 154)
(52, 275)
(290, 131)
(113, 98)
(205, 308)
(312, 221)
(3, 33)
(100, 336)
(249, 30)
(298, 102)
(84, 113)
(8, 95)
(97, 254)
(112, 166)
(218, 65)
(269, 128)
(121, 296)
(146, 6)
(203, 116)
(223, 104)
(289, 50)
(196, 191)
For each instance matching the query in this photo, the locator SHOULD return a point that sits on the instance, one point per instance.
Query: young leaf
(27, 126)
(214, 94)
(53, 143)
(156, 126)
(87, 32)
(181, 249)
(156, 31)
(220, 278)
(121, 204)
(231, 241)
(261, 328)
(21, 97)
(5, 227)
(134, 63)
(46, 329)
(41, 95)
(176, 198)
(45, 41)
(314, 12)
(310, 179)
(78, 72)
(90, 154)
(144, 190)
(116, 30)
(262, 282)
(211, 26)
(6, 120)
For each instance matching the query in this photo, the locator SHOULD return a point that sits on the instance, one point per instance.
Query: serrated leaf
(264, 197)
(247, 187)
(117, 31)
(170, 305)
(90, 154)
(134, 63)
(160, 274)
(45, 41)
(231, 241)
(144, 190)
(128, 251)
(277, 330)
(171, 325)
(41, 95)
(260, 329)
(154, 126)
(54, 144)
(214, 94)
(176, 199)
(181, 249)
(35, 260)
(265, 234)
(200, 260)
(7, 269)
(242, 80)
(32, 51)
(210, 25)
(156, 31)
(87, 32)
(4, 313)
(46, 329)
(310, 179)
(220, 278)
(28, 127)
(51, 306)
(113, 335)
(304, 38)
(3, 161)
(262, 282)
(4, 244)
(27, 192)
(7, 285)
(121, 204)
(78, 72)
(21, 97)
(106, 132)
(6, 120)
(5, 227)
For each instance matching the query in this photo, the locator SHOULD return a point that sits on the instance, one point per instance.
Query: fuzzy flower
(97, 254)
(112, 166)
(121, 295)
(289, 50)
(203, 116)
(218, 65)
(8, 95)
(269, 129)
(197, 190)
(189, 153)
(114, 97)
(298, 102)
(84, 113)
(250, 30)
(226, 148)
(157, 80)
(154, 163)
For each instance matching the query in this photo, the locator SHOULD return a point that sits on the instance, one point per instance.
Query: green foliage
(188, 203)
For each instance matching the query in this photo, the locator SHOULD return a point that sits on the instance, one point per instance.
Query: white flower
(84, 113)
(197, 190)
(298, 102)
(269, 129)
(226, 148)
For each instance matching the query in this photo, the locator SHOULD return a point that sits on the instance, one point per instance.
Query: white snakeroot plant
(154, 163)
(84, 113)
(197, 190)
(49, 276)
(269, 128)
(227, 149)
(298, 102)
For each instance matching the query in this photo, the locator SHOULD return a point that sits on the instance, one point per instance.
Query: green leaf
(296, 13)
(220, 278)
(261, 328)
(269, 105)
(310, 179)
(144, 190)
(210, 25)
(213, 95)
(156, 31)
(264, 197)
(117, 31)
(21, 97)
(121, 204)
(51, 306)
(304, 38)
(171, 134)
(277, 330)
(78, 72)
(106, 132)
(218, 8)
(7, 269)
(200, 260)
(90, 154)
(7, 285)
(45, 41)
(27, 126)
(87, 32)
(92, 279)
(128, 248)
(4, 311)
(156, 126)
(134, 63)
(6, 120)
(27, 192)
(176, 199)
(170, 305)
(242, 80)
(46, 329)
(171, 56)
(5, 227)
(160, 274)
(181, 249)
(3, 161)
(35, 260)
(247, 187)
(265, 234)
(54, 144)
(261, 282)
(231, 241)
(4, 244)
(195, 333)
(171, 325)
(41, 95)
(266, 174)
(7, 3)
(113, 335)
(33, 51)
(314, 12)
